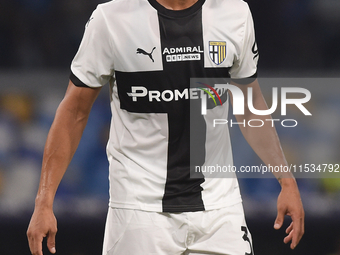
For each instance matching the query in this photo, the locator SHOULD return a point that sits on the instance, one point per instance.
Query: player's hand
(289, 203)
(43, 224)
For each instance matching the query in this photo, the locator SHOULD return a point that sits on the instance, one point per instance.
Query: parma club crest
(217, 51)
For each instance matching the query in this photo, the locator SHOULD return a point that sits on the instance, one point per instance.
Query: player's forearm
(264, 140)
(61, 144)
(266, 144)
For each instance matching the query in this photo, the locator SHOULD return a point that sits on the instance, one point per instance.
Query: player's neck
(177, 5)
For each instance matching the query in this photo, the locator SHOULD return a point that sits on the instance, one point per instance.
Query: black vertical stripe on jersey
(182, 192)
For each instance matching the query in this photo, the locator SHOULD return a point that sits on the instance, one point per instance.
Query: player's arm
(265, 142)
(62, 141)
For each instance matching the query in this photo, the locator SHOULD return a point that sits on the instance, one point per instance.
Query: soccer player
(148, 50)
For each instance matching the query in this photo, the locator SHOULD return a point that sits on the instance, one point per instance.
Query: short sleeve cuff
(245, 81)
(75, 80)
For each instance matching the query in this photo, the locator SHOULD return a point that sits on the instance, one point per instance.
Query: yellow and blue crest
(217, 51)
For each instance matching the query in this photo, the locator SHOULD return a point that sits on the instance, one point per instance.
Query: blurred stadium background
(38, 39)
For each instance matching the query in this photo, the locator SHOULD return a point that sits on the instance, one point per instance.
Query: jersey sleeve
(92, 65)
(244, 69)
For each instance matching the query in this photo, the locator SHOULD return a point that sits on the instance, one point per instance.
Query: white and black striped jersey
(148, 54)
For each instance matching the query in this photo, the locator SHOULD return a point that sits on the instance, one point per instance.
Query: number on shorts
(246, 238)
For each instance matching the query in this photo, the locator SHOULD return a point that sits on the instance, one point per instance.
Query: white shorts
(135, 232)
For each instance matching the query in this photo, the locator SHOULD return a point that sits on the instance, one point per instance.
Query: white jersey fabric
(148, 54)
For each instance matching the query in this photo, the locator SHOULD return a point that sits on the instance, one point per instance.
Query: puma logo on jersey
(141, 51)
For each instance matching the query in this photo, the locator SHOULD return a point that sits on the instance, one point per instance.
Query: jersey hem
(158, 208)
